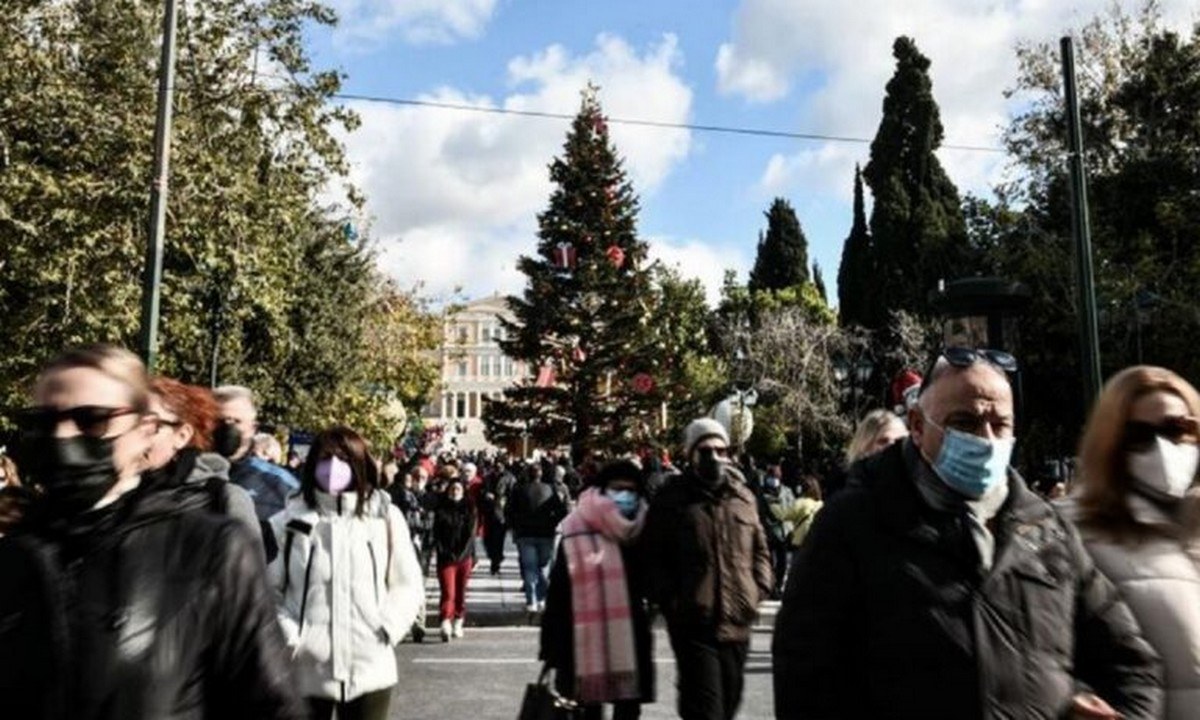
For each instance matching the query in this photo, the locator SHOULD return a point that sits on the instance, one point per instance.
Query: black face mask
(710, 469)
(227, 440)
(76, 471)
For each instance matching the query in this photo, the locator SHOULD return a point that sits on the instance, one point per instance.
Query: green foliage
(258, 275)
(917, 227)
(782, 259)
(590, 324)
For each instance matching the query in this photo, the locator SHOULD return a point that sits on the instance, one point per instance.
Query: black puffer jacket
(535, 509)
(887, 614)
(454, 528)
(153, 607)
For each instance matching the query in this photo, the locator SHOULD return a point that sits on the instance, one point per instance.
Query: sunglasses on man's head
(92, 420)
(961, 357)
(1174, 429)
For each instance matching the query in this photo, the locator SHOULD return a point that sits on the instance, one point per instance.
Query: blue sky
(452, 196)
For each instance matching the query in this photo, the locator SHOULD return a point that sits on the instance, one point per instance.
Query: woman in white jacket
(1136, 512)
(348, 580)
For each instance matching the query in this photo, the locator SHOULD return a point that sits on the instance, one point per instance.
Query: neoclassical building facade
(473, 368)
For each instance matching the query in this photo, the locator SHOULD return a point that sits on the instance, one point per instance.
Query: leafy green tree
(782, 259)
(260, 286)
(583, 322)
(856, 279)
(916, 223)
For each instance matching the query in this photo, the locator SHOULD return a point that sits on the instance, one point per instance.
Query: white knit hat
(702, 429)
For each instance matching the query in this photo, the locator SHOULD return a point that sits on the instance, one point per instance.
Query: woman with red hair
(180, 458)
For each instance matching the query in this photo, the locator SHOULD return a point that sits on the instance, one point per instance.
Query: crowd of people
(163, 557)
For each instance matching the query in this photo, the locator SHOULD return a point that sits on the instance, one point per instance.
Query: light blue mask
(627, 502)
(970, 464)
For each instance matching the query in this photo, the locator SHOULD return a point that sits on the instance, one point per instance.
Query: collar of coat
(886, 475)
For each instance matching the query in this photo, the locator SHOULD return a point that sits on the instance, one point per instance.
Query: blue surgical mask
(627, 502)
(970, 464)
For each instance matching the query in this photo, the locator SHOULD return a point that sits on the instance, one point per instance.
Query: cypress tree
(854, 274)
(782, 259)
(819, 282)
(917, 225)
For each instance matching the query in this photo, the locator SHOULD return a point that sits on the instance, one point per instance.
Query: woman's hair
(118, 363)
(193, 405)
(810, 487)
(624, 469)
(351, 448)
(1102, 450)
(868, 429)
(11, 476)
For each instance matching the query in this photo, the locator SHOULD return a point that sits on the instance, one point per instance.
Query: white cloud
(700, 260)
(416, 21)
(843, 52)
(454, 195)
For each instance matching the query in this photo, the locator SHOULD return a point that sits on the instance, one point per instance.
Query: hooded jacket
(208, 472)
(152, 607)
(454, 525)
(349, 589)
(888, 613)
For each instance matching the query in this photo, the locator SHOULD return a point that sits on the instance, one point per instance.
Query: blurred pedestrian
(13, 497)
(774, 498)
(454, 525)
(596, 629)
(1137, 511)
(268, 484)
(267, 447)
(347, 578)
(534, 512)
(709, 568)
(800, 514)
(124, 604)
(492, 506)
(878, 430)
(180, 458)
(939, 586)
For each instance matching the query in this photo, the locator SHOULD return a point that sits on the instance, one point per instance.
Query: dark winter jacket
(888, 613)
(495, 497)
(207, 473)
(707, 556)
(558, 629)
(535, 510)
(153, 607)
(454, 531)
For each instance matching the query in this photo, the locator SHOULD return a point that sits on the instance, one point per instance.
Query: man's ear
(916, 423)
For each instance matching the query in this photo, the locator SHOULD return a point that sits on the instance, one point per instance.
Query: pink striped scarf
(605, 653)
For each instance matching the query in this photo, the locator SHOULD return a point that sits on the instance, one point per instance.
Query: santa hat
(905, 388)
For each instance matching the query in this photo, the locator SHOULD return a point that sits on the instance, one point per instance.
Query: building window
(464, 334)
(460, 405)
(485, 367)
(462, 368)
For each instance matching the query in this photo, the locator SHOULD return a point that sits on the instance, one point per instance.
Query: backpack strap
(293, 528)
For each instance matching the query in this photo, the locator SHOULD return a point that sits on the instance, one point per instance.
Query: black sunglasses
(1174, 429)
(710, 452)
(92, 420)
(961, 357)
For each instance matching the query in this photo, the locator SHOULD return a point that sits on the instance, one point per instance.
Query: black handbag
(542, 701)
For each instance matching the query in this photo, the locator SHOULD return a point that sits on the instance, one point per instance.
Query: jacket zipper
(374, 570)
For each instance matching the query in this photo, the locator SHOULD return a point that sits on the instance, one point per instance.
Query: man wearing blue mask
(939, 586)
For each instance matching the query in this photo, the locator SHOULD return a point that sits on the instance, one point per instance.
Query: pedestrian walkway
(498, 600)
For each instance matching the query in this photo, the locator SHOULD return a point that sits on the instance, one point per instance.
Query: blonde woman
(876, 431)
(1136, 508)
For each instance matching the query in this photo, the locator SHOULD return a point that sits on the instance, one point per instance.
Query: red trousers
(453, 581)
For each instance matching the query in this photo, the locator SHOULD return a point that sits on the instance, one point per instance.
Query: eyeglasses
(1175, 429)
(709, 451)
(961, 357)
(92, 420)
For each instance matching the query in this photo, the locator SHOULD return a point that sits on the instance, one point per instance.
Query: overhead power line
(727, 129)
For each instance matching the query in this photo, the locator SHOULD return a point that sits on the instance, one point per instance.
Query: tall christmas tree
(782, 259)
(583, 322)
(917, 225)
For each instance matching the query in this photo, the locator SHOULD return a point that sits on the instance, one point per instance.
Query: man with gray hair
(939, 586)
(269, 485)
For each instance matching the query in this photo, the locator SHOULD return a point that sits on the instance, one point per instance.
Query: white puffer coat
(1159, 578)
(349, 589)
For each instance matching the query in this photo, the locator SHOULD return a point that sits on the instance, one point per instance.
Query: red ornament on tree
(643, 383)
(616, 255)
(565, 256)
(578, 354)
(598, 125)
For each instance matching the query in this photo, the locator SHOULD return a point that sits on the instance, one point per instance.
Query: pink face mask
(334, 475)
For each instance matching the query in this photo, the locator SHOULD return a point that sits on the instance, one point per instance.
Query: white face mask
(1165, 470)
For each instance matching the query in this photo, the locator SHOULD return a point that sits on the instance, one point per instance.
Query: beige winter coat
(1159, 578)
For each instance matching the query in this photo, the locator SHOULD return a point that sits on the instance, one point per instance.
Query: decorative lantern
(565, 256)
